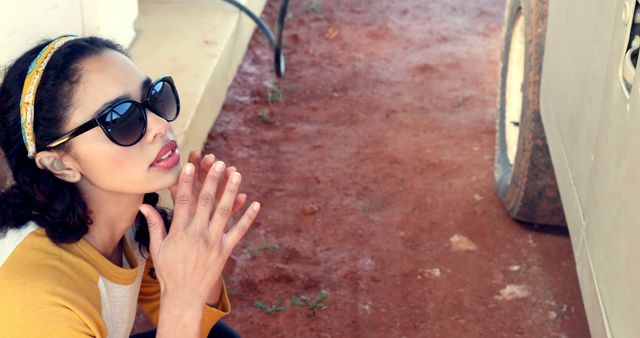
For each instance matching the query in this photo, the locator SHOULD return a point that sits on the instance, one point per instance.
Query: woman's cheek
(119, 169)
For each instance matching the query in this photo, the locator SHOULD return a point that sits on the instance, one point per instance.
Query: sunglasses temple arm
(73, 133)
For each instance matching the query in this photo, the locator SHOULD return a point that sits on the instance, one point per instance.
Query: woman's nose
(156, 126)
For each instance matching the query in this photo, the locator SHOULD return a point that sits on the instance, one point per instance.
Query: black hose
(275, 43)
(278, 56)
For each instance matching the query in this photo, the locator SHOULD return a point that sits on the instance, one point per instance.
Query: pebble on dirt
(462, 243)
(514, 291)
(514, 268)
(434, 272)
(311, 209)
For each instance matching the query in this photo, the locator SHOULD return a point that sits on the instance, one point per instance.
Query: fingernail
(235, 178)
(188, 168)
(218, 166)
(256, 206)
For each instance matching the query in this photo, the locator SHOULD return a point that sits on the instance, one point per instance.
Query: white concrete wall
(25, 22)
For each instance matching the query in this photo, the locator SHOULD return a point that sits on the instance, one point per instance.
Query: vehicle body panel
(591, 129)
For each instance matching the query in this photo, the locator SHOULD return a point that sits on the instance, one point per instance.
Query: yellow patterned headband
(28, 99)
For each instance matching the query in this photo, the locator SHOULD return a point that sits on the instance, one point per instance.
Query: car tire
(524, 175)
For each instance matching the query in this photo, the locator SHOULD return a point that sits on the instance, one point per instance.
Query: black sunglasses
(125, 122)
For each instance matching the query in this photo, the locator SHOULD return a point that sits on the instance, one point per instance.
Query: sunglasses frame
(142, 106)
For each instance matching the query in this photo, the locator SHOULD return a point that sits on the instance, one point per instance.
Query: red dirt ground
(379, 155)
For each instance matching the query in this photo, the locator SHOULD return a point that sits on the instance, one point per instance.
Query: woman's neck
(111, 215)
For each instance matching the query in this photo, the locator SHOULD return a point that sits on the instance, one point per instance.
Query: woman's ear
(63, 168)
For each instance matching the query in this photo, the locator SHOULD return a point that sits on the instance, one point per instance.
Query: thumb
(157, 232)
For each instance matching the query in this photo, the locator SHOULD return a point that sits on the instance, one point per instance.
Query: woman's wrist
(181, 298)
(180, 314)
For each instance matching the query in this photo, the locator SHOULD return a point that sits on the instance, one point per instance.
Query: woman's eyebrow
(143, 89)
(110, 102)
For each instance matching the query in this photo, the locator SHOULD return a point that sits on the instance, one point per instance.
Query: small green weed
(277, 306)
(314, 6)
(314, 304)
(265, 116)
(275, 95)
(256, 250)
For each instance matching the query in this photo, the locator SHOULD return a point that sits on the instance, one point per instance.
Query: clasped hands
(189, 259)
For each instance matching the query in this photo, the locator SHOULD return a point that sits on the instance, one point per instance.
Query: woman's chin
(166, 178)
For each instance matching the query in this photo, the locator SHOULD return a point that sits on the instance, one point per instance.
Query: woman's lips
(168, 156)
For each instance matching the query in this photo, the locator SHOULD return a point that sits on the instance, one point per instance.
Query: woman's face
(103, 164)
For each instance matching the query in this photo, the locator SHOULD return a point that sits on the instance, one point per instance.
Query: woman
(87, 137)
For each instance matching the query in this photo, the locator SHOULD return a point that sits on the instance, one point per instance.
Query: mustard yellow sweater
(71, 290)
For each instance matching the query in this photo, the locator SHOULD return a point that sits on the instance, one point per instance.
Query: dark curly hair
(37, 194)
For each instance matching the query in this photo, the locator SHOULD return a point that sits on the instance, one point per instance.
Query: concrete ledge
(200, 44)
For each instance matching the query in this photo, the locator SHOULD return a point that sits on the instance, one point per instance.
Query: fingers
(224, 208)
(195, 157)
(240, 199)
(157, 232)
(207, 197)
(205, 164)
(239, 202)
(227, 175)
(201, 163)
(183, 196)
(207, 161)
(234, 235)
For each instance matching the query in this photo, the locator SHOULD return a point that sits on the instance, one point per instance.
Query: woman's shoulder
(42, 288)
(29, 257)
(21, 244)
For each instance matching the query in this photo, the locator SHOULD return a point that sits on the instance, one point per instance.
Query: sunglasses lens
(125, 123)
(164, 100)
